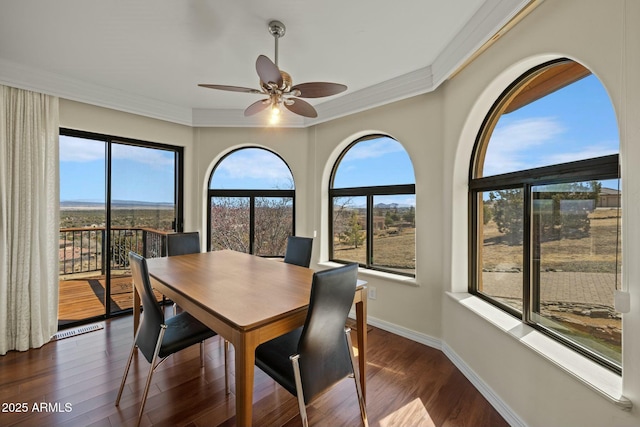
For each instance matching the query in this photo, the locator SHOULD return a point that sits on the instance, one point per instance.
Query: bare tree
(230, 223)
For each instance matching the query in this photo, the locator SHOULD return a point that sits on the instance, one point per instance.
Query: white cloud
(512, 144)
(588, 152)
(534, 142)
(85, 150)
(80, 150)
(374, 148)
(254, 164)
(147, 156)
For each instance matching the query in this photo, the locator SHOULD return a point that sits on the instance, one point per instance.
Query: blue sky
(252, 168)
(380, 161)
(139, 174)
(574, 123)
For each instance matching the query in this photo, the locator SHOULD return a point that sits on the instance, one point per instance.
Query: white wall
(416, 123)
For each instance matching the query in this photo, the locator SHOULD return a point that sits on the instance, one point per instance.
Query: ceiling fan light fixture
(277, 85)
(275, 113)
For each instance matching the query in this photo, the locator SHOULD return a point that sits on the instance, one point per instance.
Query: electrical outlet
(622, 301)
(372, 292)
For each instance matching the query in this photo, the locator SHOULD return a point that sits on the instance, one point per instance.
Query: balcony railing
(82, 250)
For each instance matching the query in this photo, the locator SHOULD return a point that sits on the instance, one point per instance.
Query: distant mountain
(384, 206)
(116, 204)
(391, 206)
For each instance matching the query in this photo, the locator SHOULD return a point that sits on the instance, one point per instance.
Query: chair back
(324, 354)
(183, 243)
(153, 317)
(298, 251)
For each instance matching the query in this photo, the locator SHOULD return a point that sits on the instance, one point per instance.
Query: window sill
(396, 278)
(600, 379)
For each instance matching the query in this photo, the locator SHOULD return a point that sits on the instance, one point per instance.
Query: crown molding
(485, 24)
(29, 78)
(492, 16)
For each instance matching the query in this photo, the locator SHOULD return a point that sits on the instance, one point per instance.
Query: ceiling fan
(277, 85)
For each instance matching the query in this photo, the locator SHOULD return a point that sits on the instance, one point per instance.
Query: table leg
(361, 325)
(245, 353)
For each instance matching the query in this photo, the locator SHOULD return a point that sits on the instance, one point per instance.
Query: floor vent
(68, 333)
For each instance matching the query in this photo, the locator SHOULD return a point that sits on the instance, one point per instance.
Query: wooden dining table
(247, 300)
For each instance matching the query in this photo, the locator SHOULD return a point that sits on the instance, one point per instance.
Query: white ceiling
(147, 56)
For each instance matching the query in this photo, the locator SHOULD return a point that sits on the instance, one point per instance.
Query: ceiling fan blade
(268, 71)
(256, 107)
(301, 107)
(231, 88)
(318, 89)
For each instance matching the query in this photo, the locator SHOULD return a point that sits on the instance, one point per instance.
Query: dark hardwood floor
(74, 381)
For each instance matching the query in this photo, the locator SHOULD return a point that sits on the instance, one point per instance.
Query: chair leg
(202, 354)
(151, 369)
(301, 405)
(356, 377)
(126, 371)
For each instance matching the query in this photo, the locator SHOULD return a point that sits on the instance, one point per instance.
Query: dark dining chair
(298, 251)
(156, 337)
(311, 359)
(183, 243)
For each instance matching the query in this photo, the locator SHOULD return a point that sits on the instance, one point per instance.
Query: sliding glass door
(82, 229)
(116, 196)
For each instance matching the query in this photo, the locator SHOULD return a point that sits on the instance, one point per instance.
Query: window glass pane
(274, 222)
(349, 229)
(142, 187)
(252, 169)
(394, 232)
(575, 122)
(576, 262)
(500, 246)
(374, 162)
(142, 205)
(82, 253)
(230, 223)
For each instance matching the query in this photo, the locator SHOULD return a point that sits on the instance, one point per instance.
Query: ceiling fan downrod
(277, 30)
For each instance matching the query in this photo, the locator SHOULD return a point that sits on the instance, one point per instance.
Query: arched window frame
(369, 192)
(252, 195)
(593, 169)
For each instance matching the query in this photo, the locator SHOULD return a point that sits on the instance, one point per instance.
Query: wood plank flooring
(77, 380)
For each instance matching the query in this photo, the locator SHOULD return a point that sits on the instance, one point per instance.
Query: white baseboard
(494, 400)
(486, 391)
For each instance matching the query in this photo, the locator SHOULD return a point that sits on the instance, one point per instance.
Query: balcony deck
(84, 258)
(83, 297)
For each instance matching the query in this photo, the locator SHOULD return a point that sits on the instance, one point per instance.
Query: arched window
(373, 202)
(251, 203)
(545, 208)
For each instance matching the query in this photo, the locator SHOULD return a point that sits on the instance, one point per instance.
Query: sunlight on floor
(413, 413)
(386, 369)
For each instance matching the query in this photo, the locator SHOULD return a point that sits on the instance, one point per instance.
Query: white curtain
(29, 212)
